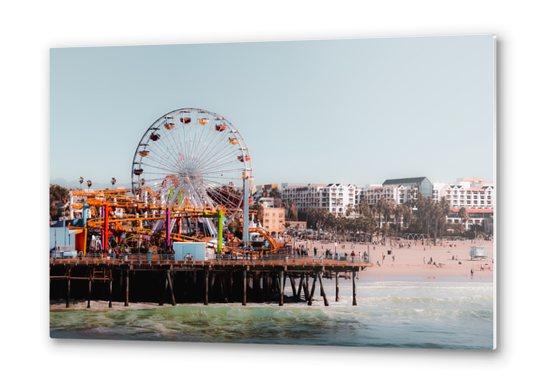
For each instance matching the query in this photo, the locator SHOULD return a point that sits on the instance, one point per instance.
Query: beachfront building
(337, 198)
(334, 197)
(470, 194)
(439, 191)
(307, 196)
(373, 193)
(421, 184)
(273, 220)
(268, 202)
(482, 217)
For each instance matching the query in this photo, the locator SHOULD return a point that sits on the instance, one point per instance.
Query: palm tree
(386, 229)
(318, 216)
(378, 208)
(407, 216)
(292, 209)
(81, 182)
(274, 193)
(89, 183)
(368, 225)
(425, 207)
(363, 208)
(398, 213)
(387, 209)
(463, 215)
(444, 210)
(113, 181)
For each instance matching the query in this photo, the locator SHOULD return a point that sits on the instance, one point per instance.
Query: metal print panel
(336, 192)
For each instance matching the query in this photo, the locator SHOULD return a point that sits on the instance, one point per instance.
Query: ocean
(395, 312)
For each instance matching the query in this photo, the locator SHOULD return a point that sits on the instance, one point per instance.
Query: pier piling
(170, 283)
(245, 286)
(336, 286)
(68, 294)
(127, 281)
(312, 289)
(226, 281)
(326, 303)
(111, 292)
(281, 283)
(206, 302)
(354, 298)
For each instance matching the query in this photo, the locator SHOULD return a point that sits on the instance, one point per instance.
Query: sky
(332, 111)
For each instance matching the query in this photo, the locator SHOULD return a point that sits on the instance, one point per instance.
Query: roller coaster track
(125, 223)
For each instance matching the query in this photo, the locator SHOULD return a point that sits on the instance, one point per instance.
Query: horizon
(128, 185)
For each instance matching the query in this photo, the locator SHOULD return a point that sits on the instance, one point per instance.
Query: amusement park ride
(191, 176)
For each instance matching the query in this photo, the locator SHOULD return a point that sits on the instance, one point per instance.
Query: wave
(398, 315)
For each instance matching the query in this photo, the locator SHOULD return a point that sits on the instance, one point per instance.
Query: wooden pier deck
(138, 279)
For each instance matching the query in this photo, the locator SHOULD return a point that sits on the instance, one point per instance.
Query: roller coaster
(113, 213)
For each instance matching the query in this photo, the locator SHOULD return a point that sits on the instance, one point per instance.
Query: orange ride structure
(191, 175)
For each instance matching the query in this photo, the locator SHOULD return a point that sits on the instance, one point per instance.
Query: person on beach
(393, 258)
(471, 273)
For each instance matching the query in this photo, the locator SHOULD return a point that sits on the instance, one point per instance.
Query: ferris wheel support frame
(245, 214)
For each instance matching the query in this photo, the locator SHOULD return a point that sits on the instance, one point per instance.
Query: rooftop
(407, 180)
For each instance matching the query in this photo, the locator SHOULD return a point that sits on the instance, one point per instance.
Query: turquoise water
(400, 313)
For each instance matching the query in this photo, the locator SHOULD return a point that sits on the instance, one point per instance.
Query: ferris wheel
(192, 157)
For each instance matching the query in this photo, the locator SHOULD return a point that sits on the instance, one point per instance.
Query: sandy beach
(414, 261)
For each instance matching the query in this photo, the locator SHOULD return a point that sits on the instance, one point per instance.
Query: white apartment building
(334, 197)
(471, 195)
(373, 193)
(267, 202)
(439, 190)
(304, 196)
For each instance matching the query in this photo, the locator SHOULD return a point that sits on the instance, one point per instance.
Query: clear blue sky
(350, 111)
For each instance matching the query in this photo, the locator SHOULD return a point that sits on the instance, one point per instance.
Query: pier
(159, 279)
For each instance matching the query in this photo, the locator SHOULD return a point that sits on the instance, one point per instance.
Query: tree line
(419, 214)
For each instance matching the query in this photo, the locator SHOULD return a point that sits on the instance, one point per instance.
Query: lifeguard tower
(478, 252)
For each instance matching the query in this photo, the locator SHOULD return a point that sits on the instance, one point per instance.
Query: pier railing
(247, 257)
